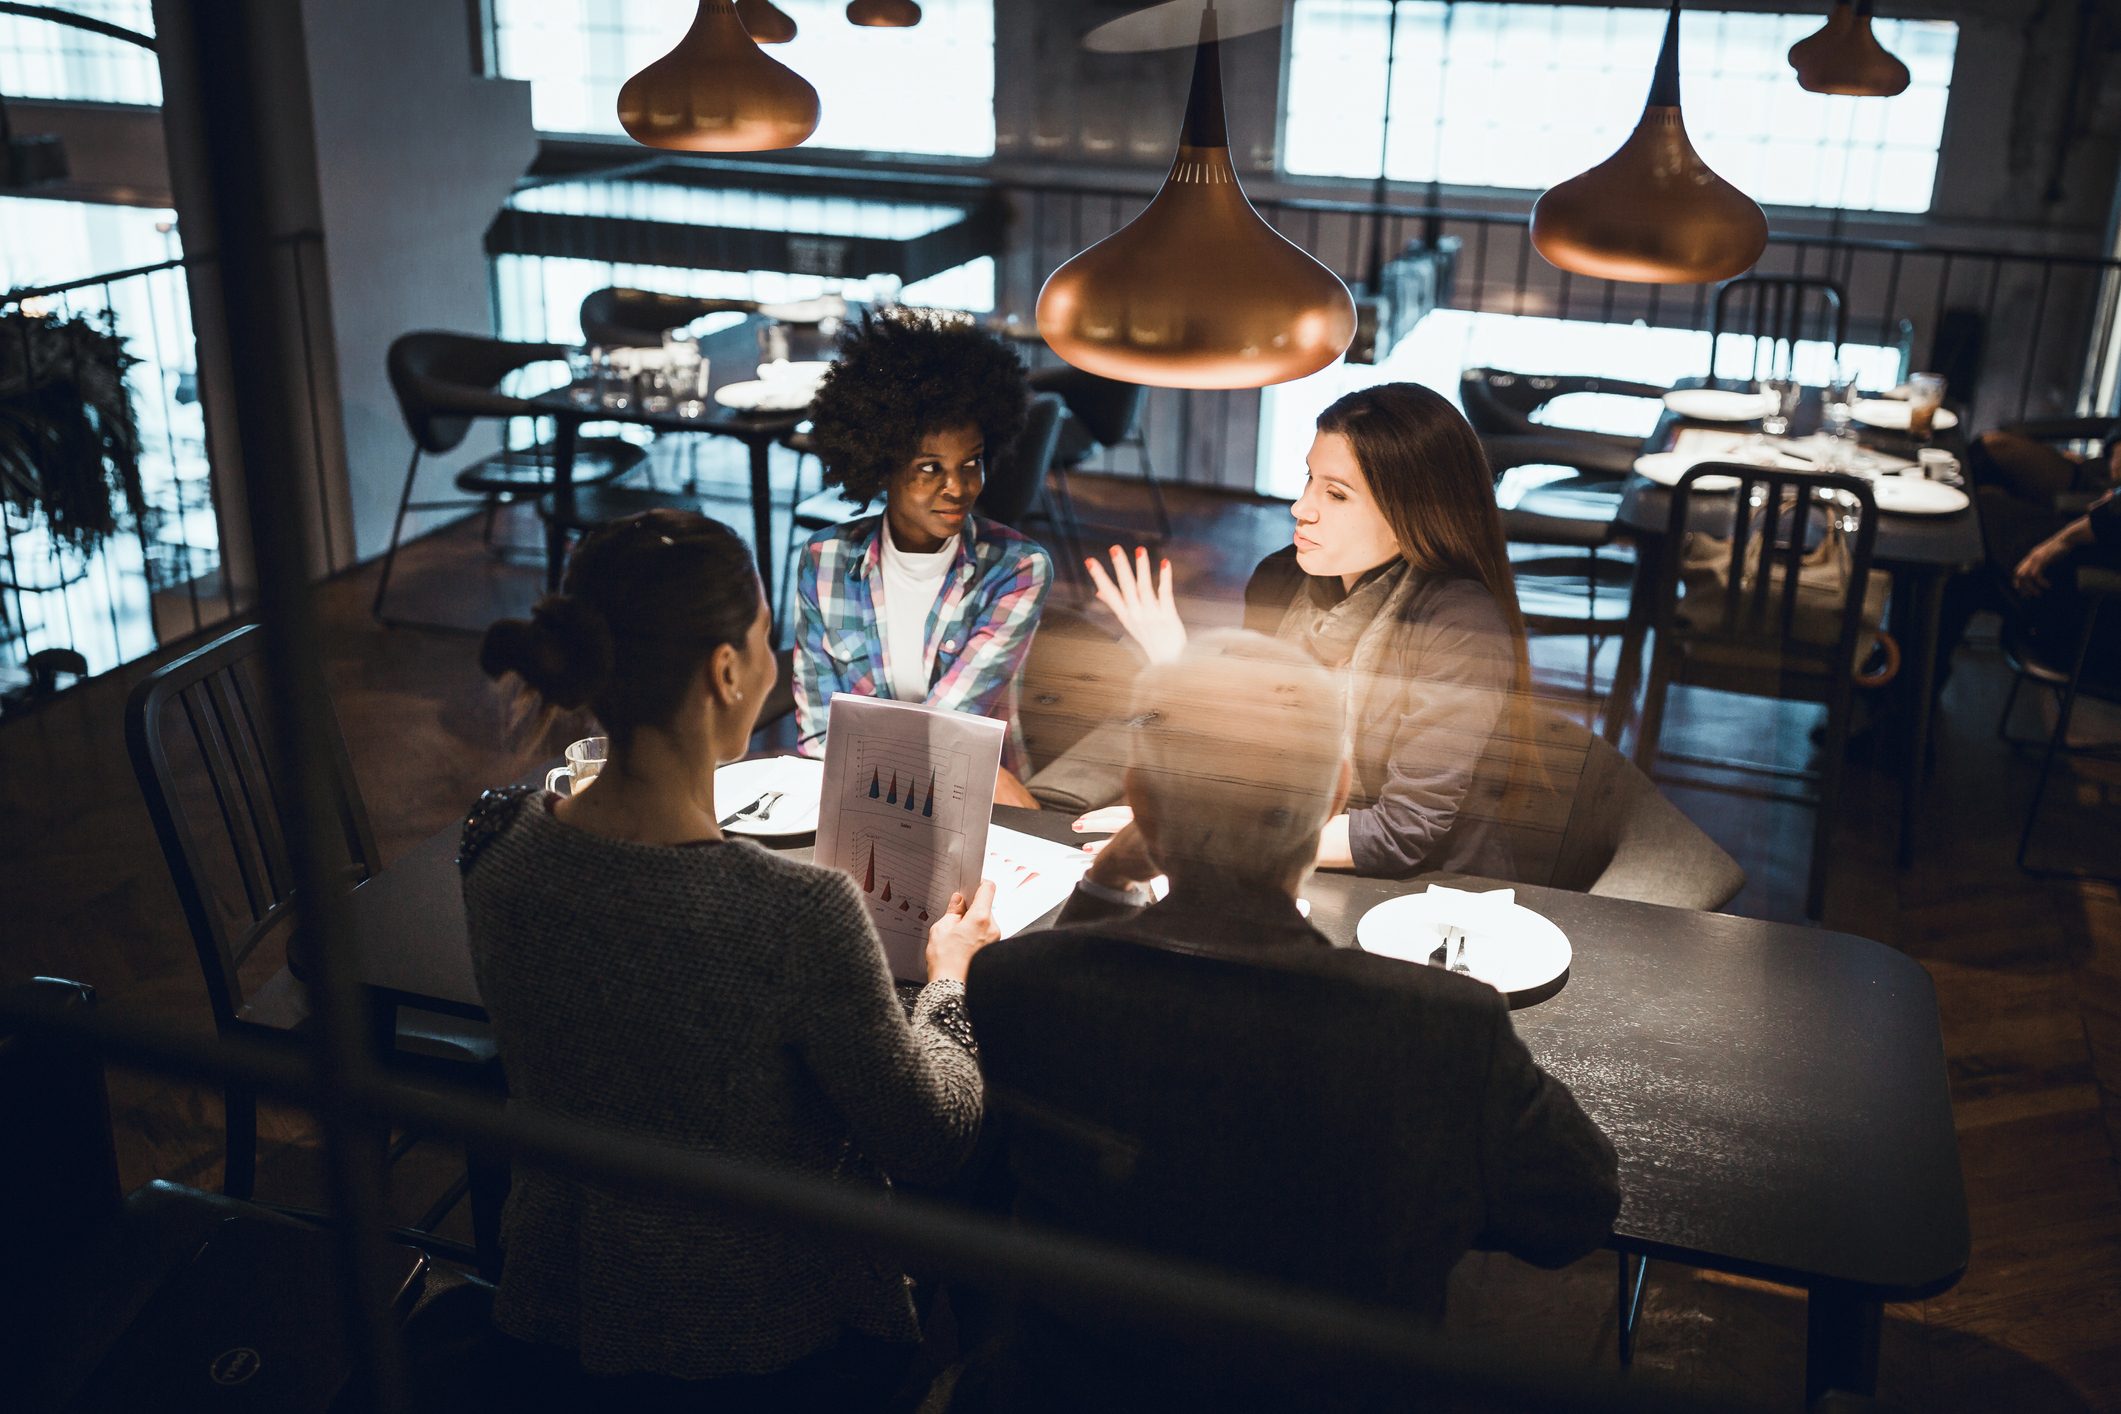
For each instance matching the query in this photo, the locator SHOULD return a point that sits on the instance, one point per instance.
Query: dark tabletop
(732, 357)
(1776, 1093)
(1905, 542)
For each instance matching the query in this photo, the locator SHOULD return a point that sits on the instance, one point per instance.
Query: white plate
(1912, 496)
(800, 779)
(1665, 468)
(1525, 953)
(780, 395)
(806, 311)
(1889, 416)
(810, 371)
(1716, 404)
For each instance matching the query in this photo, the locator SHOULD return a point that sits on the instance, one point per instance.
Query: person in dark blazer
(1209, 1078)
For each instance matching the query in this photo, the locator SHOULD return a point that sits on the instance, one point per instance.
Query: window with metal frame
(1520, 96)
(926, 91)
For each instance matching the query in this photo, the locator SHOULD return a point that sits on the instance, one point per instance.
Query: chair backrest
(201, 749)
(1755, 544)
(622, 317)
(1013, 481)
(445, 380)
(1109, 410)
(1776, 311)
(1623, 839)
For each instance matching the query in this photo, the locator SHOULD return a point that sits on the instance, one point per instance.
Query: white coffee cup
(1938, 464)
(584, 759)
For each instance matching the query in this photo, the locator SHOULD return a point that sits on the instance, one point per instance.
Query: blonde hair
(1238, 746)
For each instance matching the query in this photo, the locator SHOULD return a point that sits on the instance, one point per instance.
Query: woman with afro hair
(924, 602)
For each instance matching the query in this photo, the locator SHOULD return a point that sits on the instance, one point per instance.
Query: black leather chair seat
(528, 469)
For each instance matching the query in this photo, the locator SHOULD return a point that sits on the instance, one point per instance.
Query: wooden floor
(2028, 973)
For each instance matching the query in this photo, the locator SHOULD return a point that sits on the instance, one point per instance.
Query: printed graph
(905, 884)
(909, 783)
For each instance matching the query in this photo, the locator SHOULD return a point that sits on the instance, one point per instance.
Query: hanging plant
(69, 447)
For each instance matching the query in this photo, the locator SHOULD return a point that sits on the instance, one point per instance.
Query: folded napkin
(1474, 914)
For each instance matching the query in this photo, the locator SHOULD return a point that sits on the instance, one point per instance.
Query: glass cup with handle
(584, 759)
(1837, 408)
(1925, 394)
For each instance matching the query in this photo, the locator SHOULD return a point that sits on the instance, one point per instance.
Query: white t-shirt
(912, 584)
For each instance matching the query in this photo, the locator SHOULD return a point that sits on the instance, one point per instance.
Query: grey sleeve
(1550, 1175)
(1459, 669)
(909, 1091)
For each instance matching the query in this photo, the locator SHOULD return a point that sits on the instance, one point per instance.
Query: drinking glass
(657, 395)
(614, 380)
(1781, 394)
(584, 759)
(1925, 394)
(582, 376)
(1837, 410)
(773, 344)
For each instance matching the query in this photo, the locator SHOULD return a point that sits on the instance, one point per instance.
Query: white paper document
(1030, 876)
(904, 812)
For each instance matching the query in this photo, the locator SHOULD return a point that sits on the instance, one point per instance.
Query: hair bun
(563, 651)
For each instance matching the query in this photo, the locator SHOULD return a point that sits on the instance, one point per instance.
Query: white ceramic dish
(800, 779)
(1912, 496)
(1888, 415)
(758, 395)
(806, 311)
(1524, 952)
(808, 371)
(1716, 404)
(1665, 468)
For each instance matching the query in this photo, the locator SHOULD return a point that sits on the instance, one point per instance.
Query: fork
(758, 809)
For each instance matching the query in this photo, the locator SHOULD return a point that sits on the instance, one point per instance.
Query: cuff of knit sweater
(942, 1006)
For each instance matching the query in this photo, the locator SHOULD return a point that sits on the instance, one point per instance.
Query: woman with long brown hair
(1397, 575)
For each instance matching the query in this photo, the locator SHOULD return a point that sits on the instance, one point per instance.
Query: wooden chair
(197, 732)
(1755, 641)
(1576, 514)
(1102, 412)
(2069, 672)
(1499, 403)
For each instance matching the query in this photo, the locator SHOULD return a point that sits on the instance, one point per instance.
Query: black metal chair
(1576, 513)
(197, 733)
(444, 382)
(1760, 636)
(2069, 672)
(1102, 412)
(621, 317)
(1778, 310)
(1500, 403)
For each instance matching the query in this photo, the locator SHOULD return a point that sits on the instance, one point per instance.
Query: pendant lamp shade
(765, 22)
(1846, 58)
(1807, 50)
(884, 14)
(1197, 291)
(717, 91)
(1653, 212)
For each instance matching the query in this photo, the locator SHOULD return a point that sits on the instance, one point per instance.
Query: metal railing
(163, 577)
(2018, 334)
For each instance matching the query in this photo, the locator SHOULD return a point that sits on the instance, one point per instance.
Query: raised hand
(1141, 600)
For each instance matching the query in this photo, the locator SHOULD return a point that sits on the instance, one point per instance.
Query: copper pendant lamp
(1846, 58)
(1197, 291)
(717, 91)
(1653, 212)
(884, 14)
(766, 23)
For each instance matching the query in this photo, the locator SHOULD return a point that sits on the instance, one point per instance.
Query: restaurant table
(1921, 553)
(732, 357)
(1777, 1094)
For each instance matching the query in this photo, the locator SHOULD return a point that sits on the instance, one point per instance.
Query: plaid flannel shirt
(978, 630)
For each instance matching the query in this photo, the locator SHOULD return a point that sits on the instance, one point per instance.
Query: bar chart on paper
(923, 784)
(903, 812)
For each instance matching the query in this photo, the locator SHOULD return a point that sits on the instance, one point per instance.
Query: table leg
(1642, 608)
(1840, 1342)
(561, 520)
(1928, 593)
(767, 552)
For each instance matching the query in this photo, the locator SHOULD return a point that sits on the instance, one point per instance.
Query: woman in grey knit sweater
(644, 973)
